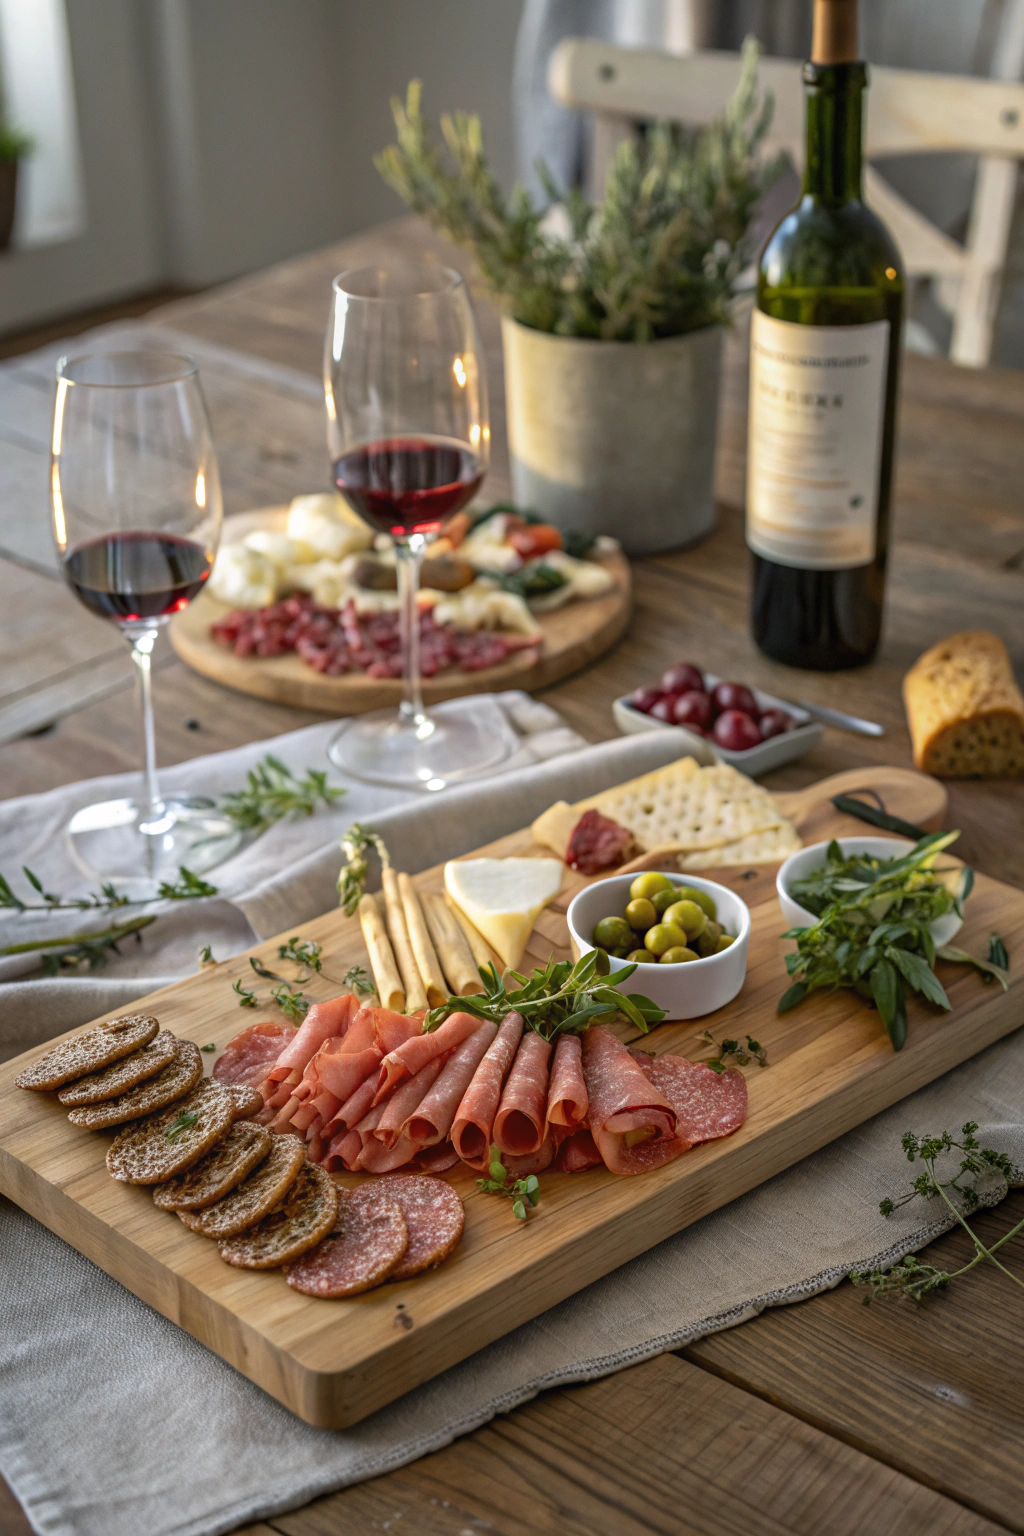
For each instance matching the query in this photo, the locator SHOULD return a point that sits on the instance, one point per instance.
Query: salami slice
(632, 1123)
(707, 1104)
(567, 1092)
(433, 1216)
(437, 1159)
(519, 1123)
(530, 1162)
(249, 1055)
(474, 1118)
(361, 1251)
(578, 1152)
(597, 843)
(432, 1119)
(414, 1053)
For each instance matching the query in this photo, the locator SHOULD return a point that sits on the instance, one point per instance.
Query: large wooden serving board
(830, 1067)
(574, 636)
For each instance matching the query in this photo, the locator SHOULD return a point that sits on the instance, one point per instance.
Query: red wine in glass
(404, 485)
(136, 575)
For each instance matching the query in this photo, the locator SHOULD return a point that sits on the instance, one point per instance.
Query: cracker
(256, 1196)
(686, 807)
(219, 1172)
(768, 847)
(153, 1150)
(89, 1052)
(173, 1082)
(306, 1215)
(248, 1101)
(127, 1073)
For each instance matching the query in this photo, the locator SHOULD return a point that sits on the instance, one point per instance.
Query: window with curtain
(37, 94)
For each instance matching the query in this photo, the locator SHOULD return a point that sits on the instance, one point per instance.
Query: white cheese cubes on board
(330, 528)
(503, 898)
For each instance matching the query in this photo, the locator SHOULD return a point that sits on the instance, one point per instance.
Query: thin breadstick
(398, 933)
(429, 965)
(452, 946)
(382, 959)
(482, 952)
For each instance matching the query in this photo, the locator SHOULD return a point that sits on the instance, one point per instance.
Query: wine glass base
(457, 740)
(119, 841)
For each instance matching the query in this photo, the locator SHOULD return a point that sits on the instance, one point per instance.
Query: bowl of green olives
(686, 936)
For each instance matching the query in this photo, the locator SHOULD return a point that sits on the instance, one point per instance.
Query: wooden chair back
(908, 112)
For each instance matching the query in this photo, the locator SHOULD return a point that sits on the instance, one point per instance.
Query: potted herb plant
(14, 146)
(613, 314)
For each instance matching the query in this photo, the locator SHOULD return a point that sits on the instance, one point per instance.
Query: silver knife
(844, 721)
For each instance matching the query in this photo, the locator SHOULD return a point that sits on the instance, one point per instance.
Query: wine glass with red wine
(408, 432)
(135, 497)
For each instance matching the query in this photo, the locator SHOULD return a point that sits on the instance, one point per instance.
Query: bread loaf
(964, 709)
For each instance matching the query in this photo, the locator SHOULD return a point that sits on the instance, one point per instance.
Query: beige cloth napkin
(115, 1422)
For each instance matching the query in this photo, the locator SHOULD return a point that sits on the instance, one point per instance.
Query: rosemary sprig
(246, 997)
(876, 816)
(524, 1193)
(185, 1119)
(910, 1278)
(355, 845)
(273, 792)
(558, 998)
(727, 1051)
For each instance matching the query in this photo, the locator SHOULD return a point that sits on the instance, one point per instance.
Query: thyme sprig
(557, 998)
(524, 1193)
(185, 1119)
(273, 792)
(730, 1052)
(358, 980)
(292, 1003)
(186, 888)
(246, 997)
(356, 844)
(302, 952)
(910, 1278)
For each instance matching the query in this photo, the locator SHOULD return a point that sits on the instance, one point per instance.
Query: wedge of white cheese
(503, 898)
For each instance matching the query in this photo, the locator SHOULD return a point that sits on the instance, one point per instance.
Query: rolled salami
(632, 1123)
(432, 1119)
(474, 1118)
(567, 1092)
(519, 1123)
(407, 1059)
(396, 1110)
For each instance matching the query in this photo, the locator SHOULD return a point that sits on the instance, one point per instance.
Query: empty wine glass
(136, 504)
(409, 438)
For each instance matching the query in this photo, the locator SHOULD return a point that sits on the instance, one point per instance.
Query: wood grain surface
(830, 1068)
(957, 558)
(574, 636)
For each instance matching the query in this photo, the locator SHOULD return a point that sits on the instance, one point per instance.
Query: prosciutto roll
(567, 1092)
(248, 1057)
(577, 1152)
(407, 1059)
(433, 1117)
(343, 1151)
(395, 1111)
(354, 1108)
(519, 1123)
(632, 1123)
(474, 1118)
(322, 1022)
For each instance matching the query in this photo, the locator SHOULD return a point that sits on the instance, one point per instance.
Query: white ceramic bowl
(760, 759)
(685, 991)
(805, 860)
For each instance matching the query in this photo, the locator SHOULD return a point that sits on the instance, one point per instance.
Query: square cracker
(686, 807)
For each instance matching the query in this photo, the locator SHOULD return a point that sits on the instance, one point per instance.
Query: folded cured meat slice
(333, 1056)
(342, 1152)
(432, 1119)
(407, 1059)
(354, 1108)
(632, 1123)
(391, 1116)
(519, 1123)
(520, 1167)
(249, 1055)
(322, 1022)
(577, 1152)
(567, 1092)
(474, 1118)
(707, 1104)
(437, 1159)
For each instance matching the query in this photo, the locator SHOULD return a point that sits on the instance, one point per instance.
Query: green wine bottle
(824, 363)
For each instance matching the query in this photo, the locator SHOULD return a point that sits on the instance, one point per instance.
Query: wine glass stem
(409, 558)
(142, 642)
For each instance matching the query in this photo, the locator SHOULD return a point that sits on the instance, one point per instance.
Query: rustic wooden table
(827, 1418)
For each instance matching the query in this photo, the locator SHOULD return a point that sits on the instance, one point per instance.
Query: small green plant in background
(659, 256)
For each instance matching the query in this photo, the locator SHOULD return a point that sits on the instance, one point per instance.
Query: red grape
(692, 709)
(736, 731)
(734, 696)
(773, 722)
(644, 699)
(663, 710)
(682, 679)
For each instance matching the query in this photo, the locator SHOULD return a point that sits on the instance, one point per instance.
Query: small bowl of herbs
(875, 873)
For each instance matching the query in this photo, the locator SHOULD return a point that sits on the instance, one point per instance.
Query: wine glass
(136, 504)
(409, 438)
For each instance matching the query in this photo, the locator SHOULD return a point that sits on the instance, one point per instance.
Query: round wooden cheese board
(573, 636)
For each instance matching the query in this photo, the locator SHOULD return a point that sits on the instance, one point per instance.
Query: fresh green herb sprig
(292, 1003)
(302, 952)
(910, 1278)
(210, 1047)
(535, 579)
(185, 1119)
(246, 997)
(206, 958)
(358, 980)
(267, 974)
(731, 1053)
(186, 888)
(874, 930)
(106, 897)
(273, 792)
(524, 1193)
(356, 845)
(876, 815)
(84, 952)
(558, 998)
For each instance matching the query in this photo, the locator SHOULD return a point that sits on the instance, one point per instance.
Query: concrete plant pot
(615, 437)
(8, 197)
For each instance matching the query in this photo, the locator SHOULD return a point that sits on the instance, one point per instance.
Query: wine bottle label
(814, 451)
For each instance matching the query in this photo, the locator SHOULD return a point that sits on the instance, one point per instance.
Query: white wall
(219, 136)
